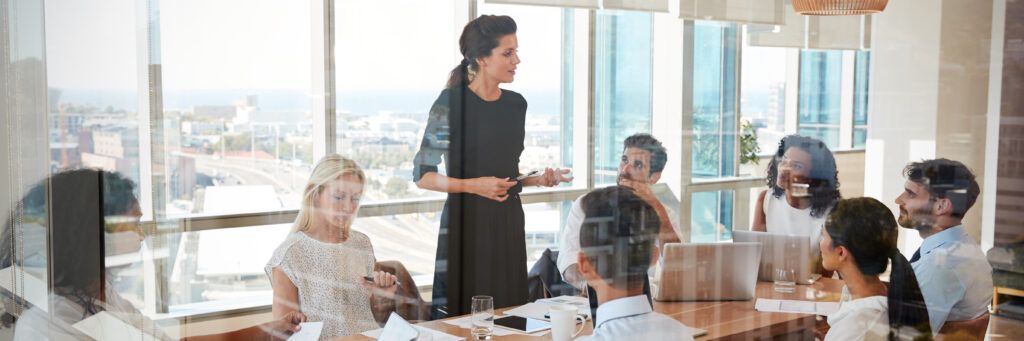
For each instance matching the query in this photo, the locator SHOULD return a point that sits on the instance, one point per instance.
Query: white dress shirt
(860, 319)
(631, 318)
(954, 276)
(569, 241)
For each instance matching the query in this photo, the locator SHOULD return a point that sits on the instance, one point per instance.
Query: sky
(266, 44)
(382, 45)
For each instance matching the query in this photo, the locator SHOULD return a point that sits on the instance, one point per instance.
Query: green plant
(748, 144)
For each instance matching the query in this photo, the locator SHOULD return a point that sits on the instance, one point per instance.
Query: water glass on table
(784, 280)
(483, 317)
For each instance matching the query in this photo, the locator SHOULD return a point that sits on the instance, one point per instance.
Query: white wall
(928, 88)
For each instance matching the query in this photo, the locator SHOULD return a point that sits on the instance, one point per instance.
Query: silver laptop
(707, 272)
(781, 251)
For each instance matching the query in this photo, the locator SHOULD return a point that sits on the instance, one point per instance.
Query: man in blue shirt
(954, 275)
(616, 247)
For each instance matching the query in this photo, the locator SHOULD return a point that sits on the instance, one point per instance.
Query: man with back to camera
(617, 238)
(953, 273)
(643, 159)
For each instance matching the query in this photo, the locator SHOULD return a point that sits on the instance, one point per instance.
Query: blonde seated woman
(320, 267)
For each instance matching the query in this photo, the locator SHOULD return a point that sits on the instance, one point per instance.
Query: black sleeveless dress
(481, 247)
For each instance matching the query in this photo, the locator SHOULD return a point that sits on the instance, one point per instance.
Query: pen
(370, 279)
(527, 175)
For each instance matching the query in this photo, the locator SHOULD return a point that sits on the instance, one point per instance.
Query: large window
(388, 76)
(237, 133)
(860, 99)
(714, 126)
(820, 95)
(92, 79)
(763, 90)
(622, 78)
(237, 137)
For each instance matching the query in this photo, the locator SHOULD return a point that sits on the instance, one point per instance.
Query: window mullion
(324, 107)
(847, 91)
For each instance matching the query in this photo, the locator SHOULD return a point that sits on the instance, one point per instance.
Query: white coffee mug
(563, 322)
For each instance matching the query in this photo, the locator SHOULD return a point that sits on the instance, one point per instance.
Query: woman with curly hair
(803, 186)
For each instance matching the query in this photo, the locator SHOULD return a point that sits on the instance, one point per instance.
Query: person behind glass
(803, 185)
(617, 240)
(955, 276)
(91, 215)
(319, 268)
(643, 159)
(859, 241)
(478, 129)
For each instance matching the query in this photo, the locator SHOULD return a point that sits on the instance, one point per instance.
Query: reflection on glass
(210, 266)
(712, 216)
(92, 78)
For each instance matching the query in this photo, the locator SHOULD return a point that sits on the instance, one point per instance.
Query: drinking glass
(800, 190)
(784, 280)
(483, 317)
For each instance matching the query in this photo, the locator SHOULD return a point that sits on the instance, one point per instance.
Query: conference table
(723, 320)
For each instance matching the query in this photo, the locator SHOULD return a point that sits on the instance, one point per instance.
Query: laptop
(707, 272)
(790, 252)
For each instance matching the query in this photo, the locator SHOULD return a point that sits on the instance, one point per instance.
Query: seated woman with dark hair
(92, 214)
(803, 185)
(859, 241)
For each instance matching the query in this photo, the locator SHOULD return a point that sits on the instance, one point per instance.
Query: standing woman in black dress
(478, 129)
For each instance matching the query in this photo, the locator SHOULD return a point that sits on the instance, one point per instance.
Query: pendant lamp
(839, 7)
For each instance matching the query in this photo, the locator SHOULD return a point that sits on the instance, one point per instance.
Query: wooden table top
(721, 319)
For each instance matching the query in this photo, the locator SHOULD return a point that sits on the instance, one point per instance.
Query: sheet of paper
(695, 332)
(105, 326)
(578, 301)
(827, 308)
(308, 331)
(537, 310)
(433, 334)
(795, 306)
(466, 322)
(397, 328)
(767, 305)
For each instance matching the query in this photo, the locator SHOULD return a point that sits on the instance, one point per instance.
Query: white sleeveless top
(782, 218)
(328, 277)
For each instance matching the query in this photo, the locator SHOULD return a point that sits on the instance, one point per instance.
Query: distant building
(775, 115)
(115, 148)
(214, 111)
(183, 176)
(196, 128)
(68, 123)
